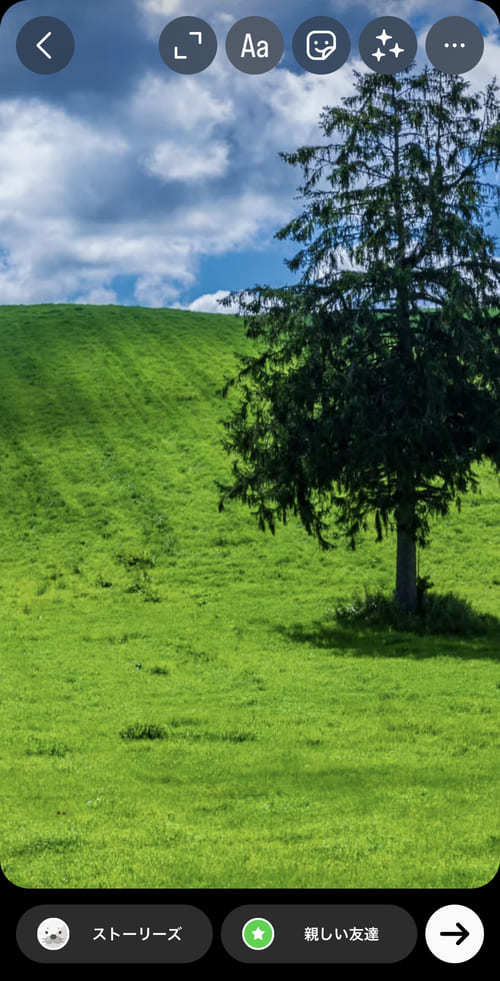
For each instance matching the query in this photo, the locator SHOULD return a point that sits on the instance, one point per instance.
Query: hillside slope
(181, 704)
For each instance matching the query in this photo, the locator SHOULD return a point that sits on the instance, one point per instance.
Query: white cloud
(156, 291)
(193, 114)
(99, 297)
(489, 65)
(70, 225)
(40, 147)
(189, 105)
(192, 162)
(290, 105)
(410, 9)
(210, 303)
(79, 198)
(159, 8)
(178, 169)
(155, 14)
(65, 226)
(163, 7)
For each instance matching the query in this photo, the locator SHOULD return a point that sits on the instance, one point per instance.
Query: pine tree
(374, 391)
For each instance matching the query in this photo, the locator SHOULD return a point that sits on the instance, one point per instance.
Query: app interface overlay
(191, 703)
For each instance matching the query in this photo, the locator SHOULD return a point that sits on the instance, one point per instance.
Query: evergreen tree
(374, 388)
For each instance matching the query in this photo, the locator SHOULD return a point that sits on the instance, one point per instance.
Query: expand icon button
(188, 45)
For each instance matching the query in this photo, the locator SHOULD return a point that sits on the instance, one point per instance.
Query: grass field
(182, 704)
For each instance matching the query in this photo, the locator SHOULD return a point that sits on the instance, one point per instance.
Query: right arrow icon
(445, 933)
(460, 932)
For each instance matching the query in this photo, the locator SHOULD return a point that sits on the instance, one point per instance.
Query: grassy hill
(182, 704)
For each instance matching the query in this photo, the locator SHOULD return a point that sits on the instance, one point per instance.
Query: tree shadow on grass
(445, 626)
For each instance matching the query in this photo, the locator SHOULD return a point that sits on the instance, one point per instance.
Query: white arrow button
(447, 937)
(42, 41)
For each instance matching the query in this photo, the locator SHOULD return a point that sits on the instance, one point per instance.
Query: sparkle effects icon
(396, 50)
(384, 37)
(258, 933)
(388, 42)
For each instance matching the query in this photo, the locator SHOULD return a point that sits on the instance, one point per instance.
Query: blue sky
(124, 182)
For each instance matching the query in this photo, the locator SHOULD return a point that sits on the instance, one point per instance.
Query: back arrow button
(31, 40)
(41, 42)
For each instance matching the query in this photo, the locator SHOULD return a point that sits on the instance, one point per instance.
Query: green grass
(188, 702)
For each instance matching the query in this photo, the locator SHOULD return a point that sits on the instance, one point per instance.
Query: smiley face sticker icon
(321, 45)
(53, 933)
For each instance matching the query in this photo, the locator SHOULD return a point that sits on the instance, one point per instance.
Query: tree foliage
(374, 386)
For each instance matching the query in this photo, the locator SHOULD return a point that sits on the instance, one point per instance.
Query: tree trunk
(406, 563)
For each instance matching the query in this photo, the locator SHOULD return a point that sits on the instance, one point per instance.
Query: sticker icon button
(454, 45)
(321, 45)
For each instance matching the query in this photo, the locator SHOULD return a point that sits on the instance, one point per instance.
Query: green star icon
(258, 933)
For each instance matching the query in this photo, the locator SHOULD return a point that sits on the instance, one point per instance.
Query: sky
(124, 182)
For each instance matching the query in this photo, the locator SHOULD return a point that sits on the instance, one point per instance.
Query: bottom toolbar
(278, 934)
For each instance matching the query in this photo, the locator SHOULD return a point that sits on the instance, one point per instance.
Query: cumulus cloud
(177, 169)
(77, 210)
(488, 67)
(211, 303)
(156, 10)
(83, 201)
(161, 102)
(155, 14)
(194, 163)
(410, 9)
(99, 297)
(65, 229)
(162, 7)
(43, 148)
